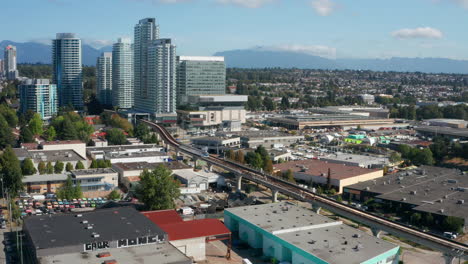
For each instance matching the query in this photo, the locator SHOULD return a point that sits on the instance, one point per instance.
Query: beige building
(207, 119)
(316, 172)
(76, 145)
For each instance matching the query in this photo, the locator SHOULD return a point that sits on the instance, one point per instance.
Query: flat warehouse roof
(61, 230)
(161, 253)
(317, 235)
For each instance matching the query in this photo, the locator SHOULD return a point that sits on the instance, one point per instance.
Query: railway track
(443, 244)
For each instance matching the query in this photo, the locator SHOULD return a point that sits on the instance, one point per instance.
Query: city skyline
(328, 28)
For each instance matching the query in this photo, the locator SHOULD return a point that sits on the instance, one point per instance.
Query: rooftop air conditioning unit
(96, 235)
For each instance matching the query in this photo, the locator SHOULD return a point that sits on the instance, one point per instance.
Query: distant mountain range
(257, 58)
(33, 52)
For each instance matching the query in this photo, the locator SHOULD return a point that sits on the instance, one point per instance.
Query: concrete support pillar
(274, 196)
(316, 208)
(239, 183)
(210, 167)
(376, 232)
(448, 258)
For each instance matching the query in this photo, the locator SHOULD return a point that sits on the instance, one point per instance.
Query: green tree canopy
(6, 135)
(50, 168)
(35, 124)
(42, 168)
(116, 136)
(268, 166)
(69, 191)
(50, 133)
(10, 169)
(240, 157)
(9, 114)
(69, 167)
(26, 136)
(158, 189)
(94, 164)
(114, 195)
(28, 167)
(58, 167)
(79, 166)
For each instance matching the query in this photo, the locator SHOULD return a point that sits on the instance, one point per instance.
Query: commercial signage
(132, 242)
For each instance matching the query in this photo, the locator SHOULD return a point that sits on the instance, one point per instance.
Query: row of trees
(70, 126)
(258, 159)
(416, 156)
(27, 167)
(430, 111)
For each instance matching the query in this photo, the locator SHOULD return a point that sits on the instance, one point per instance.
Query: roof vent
(84, 221)
(79, 215)
(441, 210)
(413, 192)
(460, 201)
(357, 235)
(89, 227)
(403, 199)
(95, 235)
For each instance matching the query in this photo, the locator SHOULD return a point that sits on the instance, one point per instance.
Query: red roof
(177, 229)
(163, 217)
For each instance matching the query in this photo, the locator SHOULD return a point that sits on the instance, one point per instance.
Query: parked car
(450, 235)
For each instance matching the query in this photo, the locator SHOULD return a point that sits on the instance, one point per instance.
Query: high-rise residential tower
(67, 70)
(200, 76)
(146, 31)
(104, 78)
(10, 70)
(39, 96)
(122, 74)
(160, 98)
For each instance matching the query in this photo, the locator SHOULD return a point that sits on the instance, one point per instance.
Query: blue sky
(329, 28)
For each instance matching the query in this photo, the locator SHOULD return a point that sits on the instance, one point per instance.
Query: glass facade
(200, 76)
(39, 97)
(104, 78)
(122, 74)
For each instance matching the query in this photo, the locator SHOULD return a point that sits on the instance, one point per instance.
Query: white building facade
(122, 74)
(104, 78)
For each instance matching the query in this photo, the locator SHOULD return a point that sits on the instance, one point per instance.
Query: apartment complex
(122, 74)
(67, 70)
(10, 70)
(40, 96)
(104, 78)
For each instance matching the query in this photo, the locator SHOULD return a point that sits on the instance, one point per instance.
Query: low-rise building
(316, 172)
(296, 235)
(197, 181)
(363, 161)
(446, 122)
(52, 156)
(298, 122)
(100, 152)
(102, 180)
(449, 132)
(116, 235)
(77, 145)
(44, 183)
(427, 189)
(148, 156)
(217, 144)
(268, 139)
(190, 237)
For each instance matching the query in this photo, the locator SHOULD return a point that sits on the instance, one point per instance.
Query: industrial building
(217, 144)
(439, 191)
(268, 139)
(116, 235)
(446, 122)
(316, 172)
(52, 156)
(190, 237)
(296, 235)
(303, 122)
(100, 152)
(363, 161)
(449, 132)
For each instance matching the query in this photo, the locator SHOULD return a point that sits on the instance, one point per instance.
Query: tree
(395, 157)
(35, 124)
(269, 104)
(240, 157)
(429, 219)
(158, 189)
(9, 114)
(69, 167)
(453, 224)
(268, 166)
(114, 195)
(94, 164)
(58, 167)
(285, 103)
(254, 159)
(141, 131)
(424, 157)
(6, 135)
(115, 136)
(50, 133)
(10, 169)
(289, 176)
(103, 163)
(230, 154)
(42, 168)
(415, 218)
(49, 168)
(28, 167)
(26, 136)
(67, 190)
(79, 166)
(68, 130)
(329, 179)
(77, 192)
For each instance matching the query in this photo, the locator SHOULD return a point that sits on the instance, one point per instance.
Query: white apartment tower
(67, 70)
(104, 78)
(122, 74)
(161, 97)
(11, 72)
(146, 31)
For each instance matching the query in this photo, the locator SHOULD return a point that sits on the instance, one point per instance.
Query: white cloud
(420, 32)
(97, 43)
(323, 7)
(316, 50)
(246, 3)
